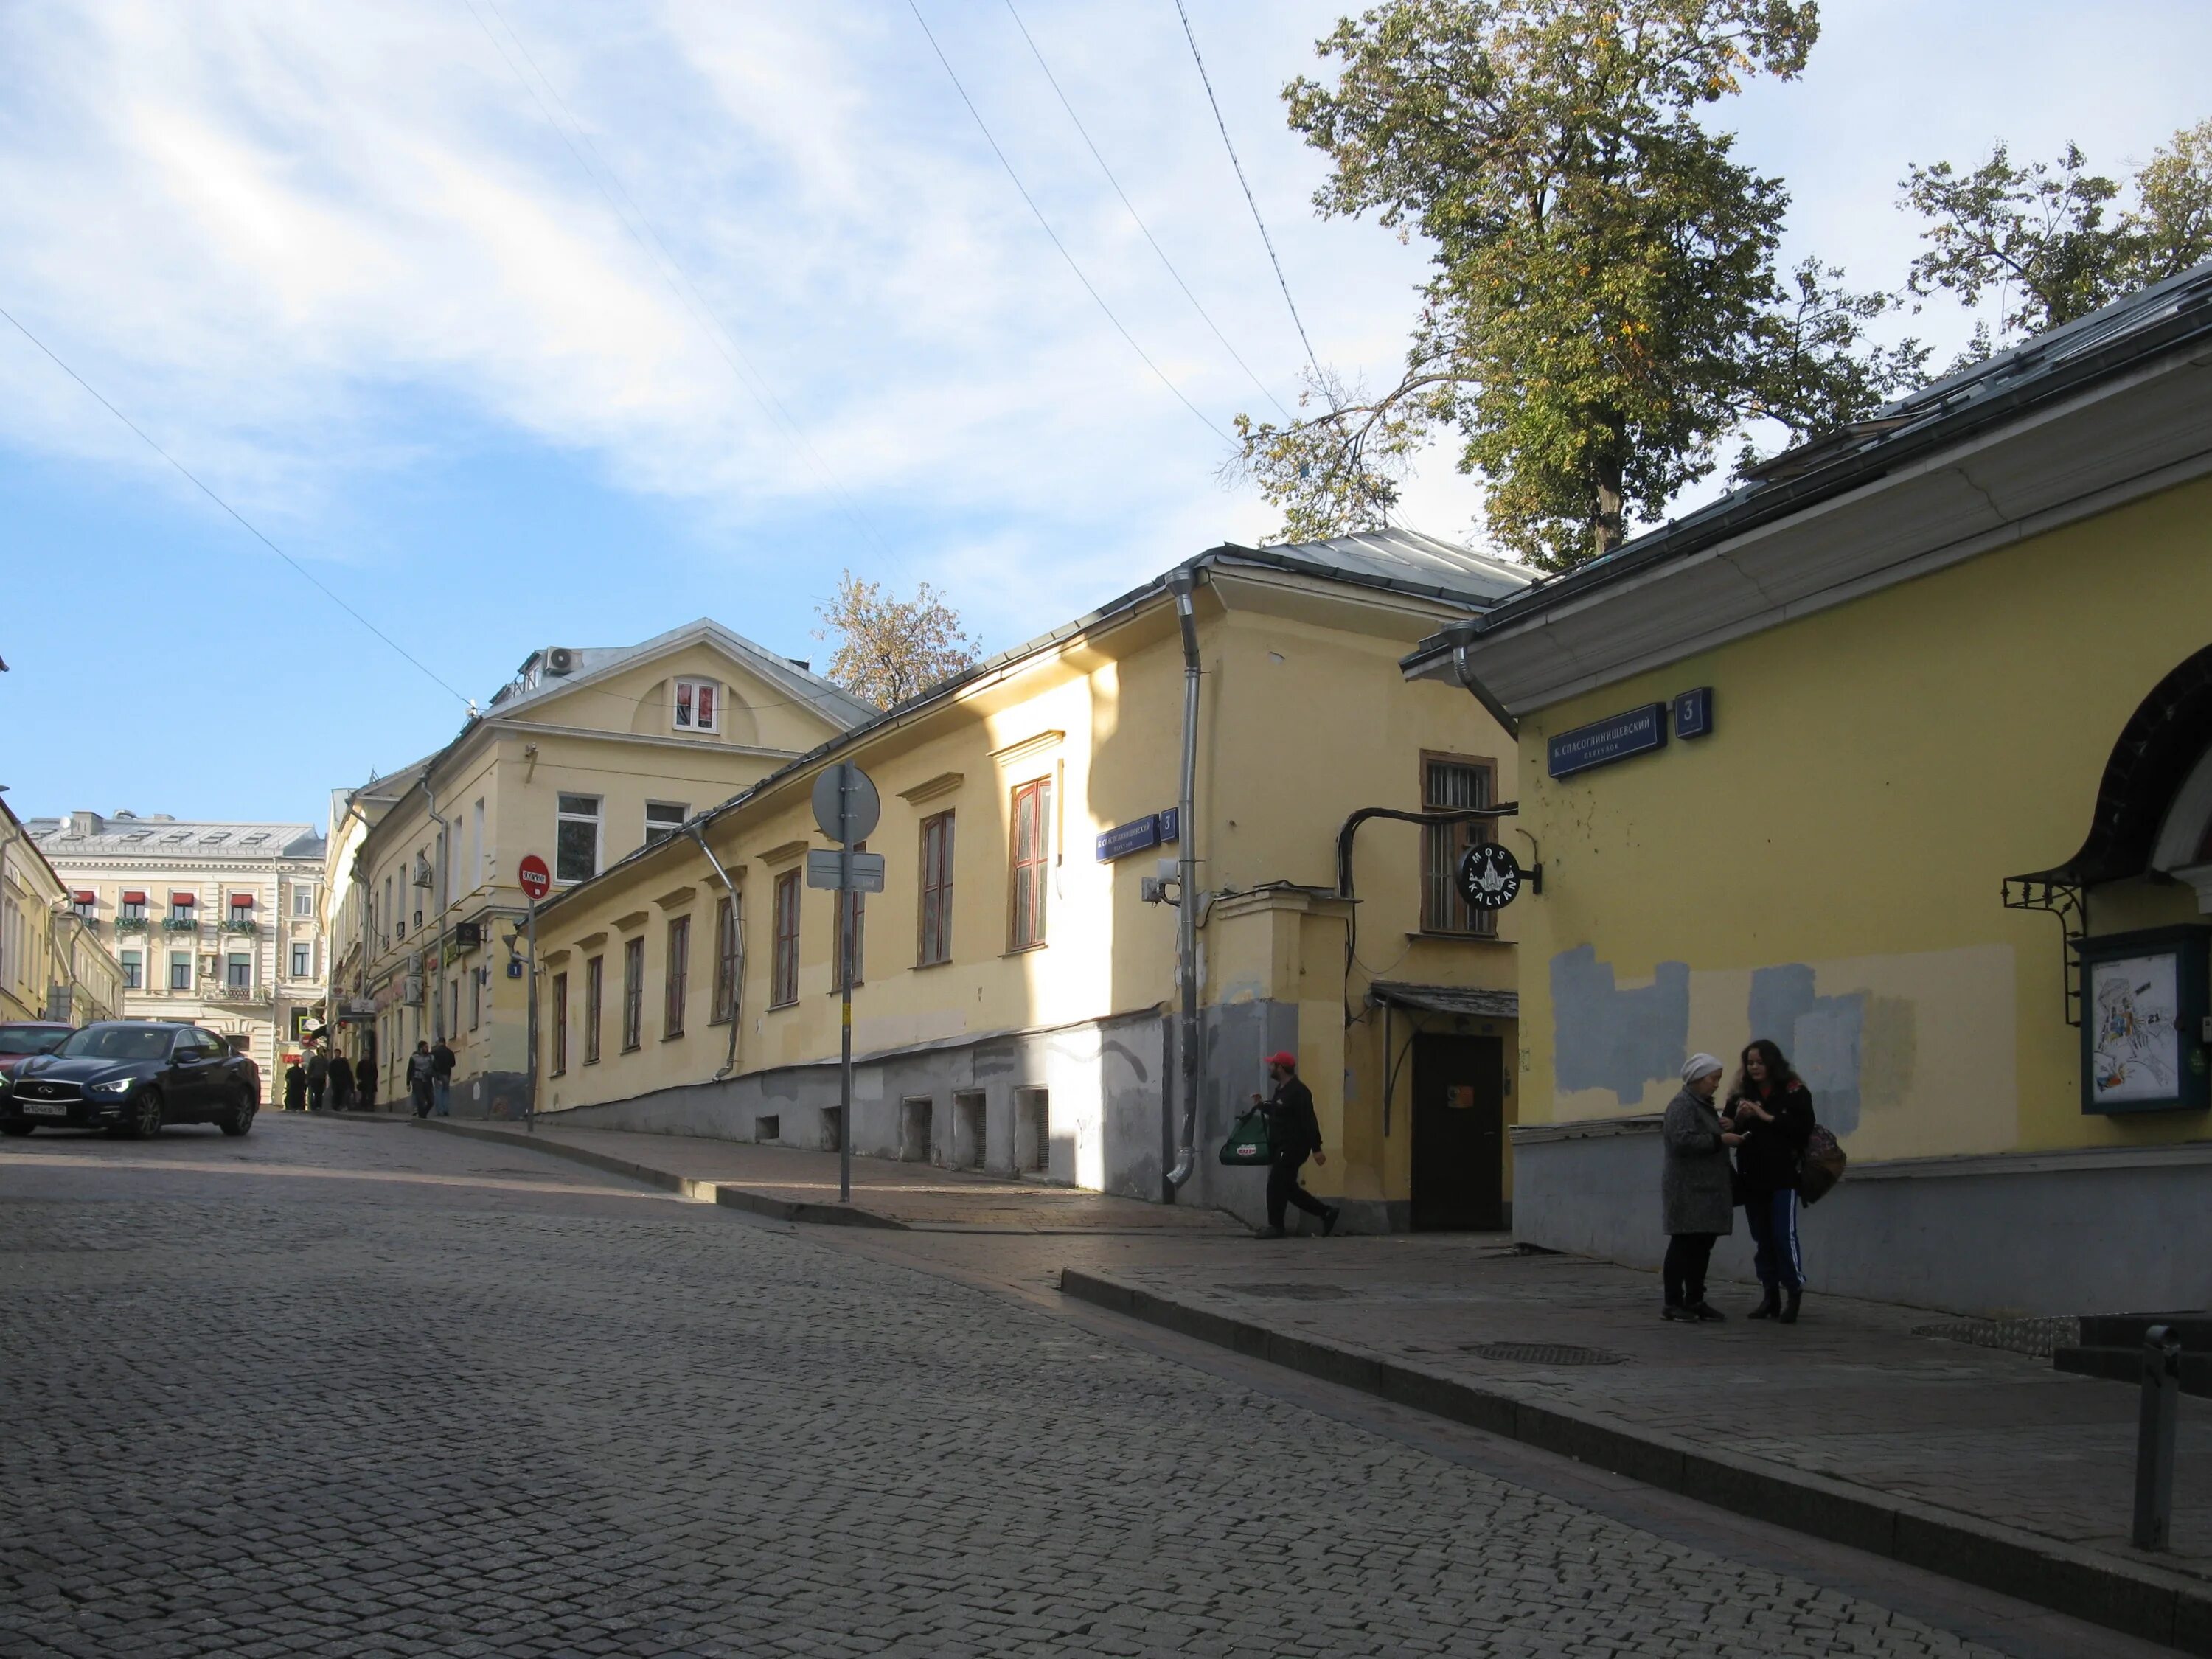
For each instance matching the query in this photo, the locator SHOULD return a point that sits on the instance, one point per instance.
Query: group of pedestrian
(430, 1079)
(1766, 1123)
(328, 1081)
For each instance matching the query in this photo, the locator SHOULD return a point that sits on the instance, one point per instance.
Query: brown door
(1459, 1132)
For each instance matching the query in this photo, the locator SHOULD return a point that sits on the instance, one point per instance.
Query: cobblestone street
(360, 1389)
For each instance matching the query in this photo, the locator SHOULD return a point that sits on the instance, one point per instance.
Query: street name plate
(823, 870)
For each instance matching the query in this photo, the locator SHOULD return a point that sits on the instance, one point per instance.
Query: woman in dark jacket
(1772, 1110)
(341, 1083)
(295, 1087)
(1693, 1190)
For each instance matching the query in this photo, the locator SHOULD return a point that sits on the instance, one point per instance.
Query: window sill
(672, 1036)
(724, 1019)
(941, 961)
(591, 1062)
(563, 1072)
(1024, 950)
(791, 1002)
(1443, 938)
(630, 1048)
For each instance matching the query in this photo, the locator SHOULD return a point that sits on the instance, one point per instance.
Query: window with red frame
(1032, 857)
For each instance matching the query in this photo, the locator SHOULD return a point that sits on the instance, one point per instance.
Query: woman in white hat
(1694, 1189)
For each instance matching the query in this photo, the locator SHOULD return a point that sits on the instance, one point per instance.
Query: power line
(1139, 217)
(670, 269)
(250, 529)
(1312, 361)
(1088, 287)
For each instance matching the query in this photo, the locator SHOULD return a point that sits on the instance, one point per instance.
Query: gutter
(437, 989)
(1181, 583)
(738, 984)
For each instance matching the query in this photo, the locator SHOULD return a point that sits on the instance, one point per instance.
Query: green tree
(2048, 241)
(888, 649)
(1604, 307)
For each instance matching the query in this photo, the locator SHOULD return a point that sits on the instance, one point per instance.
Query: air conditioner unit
(423, 874)
(411, 989)
(559, 660)
(414, 962)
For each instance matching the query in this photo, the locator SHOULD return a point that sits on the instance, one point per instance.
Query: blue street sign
(1693, 713)
(1637, 732)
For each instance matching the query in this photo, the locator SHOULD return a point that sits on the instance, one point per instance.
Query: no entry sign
(536, 880)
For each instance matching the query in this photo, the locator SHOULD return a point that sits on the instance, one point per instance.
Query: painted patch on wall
(1821, 1036)
(1604, 1037)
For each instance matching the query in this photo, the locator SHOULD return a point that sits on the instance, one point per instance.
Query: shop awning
(134, 899)
(84, 896)
(241, 901)
(1445, 999)
(183, 898)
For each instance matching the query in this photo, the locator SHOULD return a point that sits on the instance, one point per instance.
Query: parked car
(131, 1078)
(21, 1039)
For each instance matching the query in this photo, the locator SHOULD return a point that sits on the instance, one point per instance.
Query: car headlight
(120, 1086)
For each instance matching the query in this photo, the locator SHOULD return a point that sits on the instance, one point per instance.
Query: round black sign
(1489, 877)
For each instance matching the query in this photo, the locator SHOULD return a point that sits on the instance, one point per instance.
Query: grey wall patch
(1820, 1035)
(1603, 1037)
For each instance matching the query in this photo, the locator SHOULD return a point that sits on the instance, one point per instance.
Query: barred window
(1449, 783)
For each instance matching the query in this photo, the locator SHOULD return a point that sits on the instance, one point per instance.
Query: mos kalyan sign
(1633, 731)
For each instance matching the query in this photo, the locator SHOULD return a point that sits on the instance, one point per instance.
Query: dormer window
(698, 706)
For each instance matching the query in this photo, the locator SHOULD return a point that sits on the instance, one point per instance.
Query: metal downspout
(737, 924)
(1483, 693)
(436, 981)
(1181, 583)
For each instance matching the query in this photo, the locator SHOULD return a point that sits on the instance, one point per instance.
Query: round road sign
(536, 880)
(846, 804)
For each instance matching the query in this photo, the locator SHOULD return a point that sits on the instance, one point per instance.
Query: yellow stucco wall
(1875, 771)
(1304, 716)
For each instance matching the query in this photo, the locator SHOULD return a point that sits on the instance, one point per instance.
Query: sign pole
(530, 1094)
(845, 908)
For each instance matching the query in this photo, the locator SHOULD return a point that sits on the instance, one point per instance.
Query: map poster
(2135, 1040)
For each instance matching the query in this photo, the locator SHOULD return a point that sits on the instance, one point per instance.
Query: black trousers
(1283, 1188)
(421, 1091)
(1688, 1254)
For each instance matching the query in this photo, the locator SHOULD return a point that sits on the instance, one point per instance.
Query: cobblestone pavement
(358, 1389)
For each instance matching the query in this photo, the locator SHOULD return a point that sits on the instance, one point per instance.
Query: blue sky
(342, 262)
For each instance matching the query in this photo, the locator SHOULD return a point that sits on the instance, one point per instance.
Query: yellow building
(1895, 756)
(1016, 1004)
(53, 964)
(589, 753)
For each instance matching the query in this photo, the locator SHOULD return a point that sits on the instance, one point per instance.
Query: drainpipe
(737, 922)
(1181, 583)
(437, 989)
(1484, 694)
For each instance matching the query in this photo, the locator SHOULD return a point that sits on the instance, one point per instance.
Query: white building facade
(217, 923)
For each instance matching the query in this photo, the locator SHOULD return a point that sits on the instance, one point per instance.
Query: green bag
(1248, 1144)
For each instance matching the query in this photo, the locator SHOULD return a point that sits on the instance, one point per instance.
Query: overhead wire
(1138, 218)
(250, 527)
(1088, 286)
(671, 268)
(1313, 362)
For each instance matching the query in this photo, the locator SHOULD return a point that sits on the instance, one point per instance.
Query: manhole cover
(1293, 1292)
(1544, 1353)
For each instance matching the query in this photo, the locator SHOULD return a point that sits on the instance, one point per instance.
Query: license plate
(43, 1108)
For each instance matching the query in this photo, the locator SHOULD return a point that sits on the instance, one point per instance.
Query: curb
(2139, 1599)
(704, 1192)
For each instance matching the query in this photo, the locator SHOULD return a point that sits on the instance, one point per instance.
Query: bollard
(2154, 1435)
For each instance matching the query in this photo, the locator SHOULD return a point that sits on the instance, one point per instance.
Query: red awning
(85, 895)
(183, 898)
(241, 901)
(134, 899)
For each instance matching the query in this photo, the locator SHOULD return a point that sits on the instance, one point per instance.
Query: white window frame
(185, 959)
(303, 951)
(303, 900)
(667, 829)
(130, 960)
(684, 704)
(596, 817)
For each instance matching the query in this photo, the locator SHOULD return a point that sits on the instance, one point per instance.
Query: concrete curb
(2139, 1599)
(727, 1194)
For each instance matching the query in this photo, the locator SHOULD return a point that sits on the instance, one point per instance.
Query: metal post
(2154, 1435)
(530, 1091)
(845, 909)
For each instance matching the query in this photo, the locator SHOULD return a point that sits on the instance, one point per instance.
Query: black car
(130, 1077)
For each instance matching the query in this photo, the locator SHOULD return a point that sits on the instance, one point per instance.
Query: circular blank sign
(846, 804)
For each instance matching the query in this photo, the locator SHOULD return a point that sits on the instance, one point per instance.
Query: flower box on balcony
(180, 924)
(241, 924)
(131, 924)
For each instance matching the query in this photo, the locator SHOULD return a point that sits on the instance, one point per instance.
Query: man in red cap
(1295, 1134)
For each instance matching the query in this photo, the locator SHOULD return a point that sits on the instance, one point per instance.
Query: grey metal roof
(1445, 999)
(2168, 316)
(832, 702)
(166, 837)
(1406, 560)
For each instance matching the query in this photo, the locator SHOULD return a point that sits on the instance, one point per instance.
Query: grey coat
(1694, 1191)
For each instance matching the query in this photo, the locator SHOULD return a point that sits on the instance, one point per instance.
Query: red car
(19, 1041)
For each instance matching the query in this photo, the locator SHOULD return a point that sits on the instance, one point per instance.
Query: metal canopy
(1445, 999)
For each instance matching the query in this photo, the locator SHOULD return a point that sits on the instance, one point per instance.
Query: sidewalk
(1982, 1464)
(791, 1185)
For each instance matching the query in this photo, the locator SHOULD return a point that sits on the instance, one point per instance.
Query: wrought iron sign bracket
(2068, 901)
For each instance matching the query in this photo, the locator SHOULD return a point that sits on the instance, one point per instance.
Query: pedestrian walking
(341, 1082)
(1294, 1134)
(296, 1086)
(1772, 1110)
(1694, 1189)
(418, 1078)
(441, 1077)
(364, 1082)
(319, 1077)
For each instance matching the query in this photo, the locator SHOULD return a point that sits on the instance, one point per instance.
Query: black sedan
(130, 1077)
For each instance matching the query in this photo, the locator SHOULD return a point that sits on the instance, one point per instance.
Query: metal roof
(168, 837)
(832, 702)
(1402, 559)
(1445, 999)
(2165, 317)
